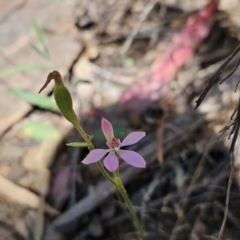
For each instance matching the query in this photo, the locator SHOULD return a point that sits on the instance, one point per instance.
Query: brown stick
(227, 197)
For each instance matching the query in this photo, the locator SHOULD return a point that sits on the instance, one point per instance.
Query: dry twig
(227, 197)
(134, 32)
(22, 196)
(234, 130)
(216, 77)
(189, 190)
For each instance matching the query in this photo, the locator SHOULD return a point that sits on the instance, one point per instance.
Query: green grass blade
(41, 38)
(22, 68)
(35, 99)
(40, 52)
(41, 131)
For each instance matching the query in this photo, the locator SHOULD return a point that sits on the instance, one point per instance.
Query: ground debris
(181, 194)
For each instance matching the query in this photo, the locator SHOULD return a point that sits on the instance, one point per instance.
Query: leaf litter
(181, 194)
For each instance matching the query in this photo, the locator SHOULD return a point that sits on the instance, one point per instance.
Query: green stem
(105, 174)
(117, 182)
(132, 213)
(91, 147)
(84, 136)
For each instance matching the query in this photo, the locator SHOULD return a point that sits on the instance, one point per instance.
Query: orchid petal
(132, 158)
(107, 129)
(111, 162)
(94, 156)
(132, 138)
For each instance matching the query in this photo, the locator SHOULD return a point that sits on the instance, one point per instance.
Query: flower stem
(117, 182)
(132, 213)
(91, 147)
(84, 136)
(105, 174)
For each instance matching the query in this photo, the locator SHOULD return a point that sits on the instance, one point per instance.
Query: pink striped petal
(132, 138)
(94, 156)
(107, 130)
(132, 158)
(111, 162)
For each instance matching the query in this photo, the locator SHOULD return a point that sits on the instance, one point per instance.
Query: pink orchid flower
(114, 153)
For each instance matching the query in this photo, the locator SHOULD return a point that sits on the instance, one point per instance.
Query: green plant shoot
(63, 100)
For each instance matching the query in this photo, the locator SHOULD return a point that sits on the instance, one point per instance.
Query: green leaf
(22, 68)
(41, 131)
(41, 38)
(77, 144)
(35, 99)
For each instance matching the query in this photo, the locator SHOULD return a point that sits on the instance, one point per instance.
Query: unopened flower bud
(62, 97)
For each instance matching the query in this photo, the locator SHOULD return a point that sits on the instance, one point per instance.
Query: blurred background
(141, 64)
